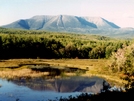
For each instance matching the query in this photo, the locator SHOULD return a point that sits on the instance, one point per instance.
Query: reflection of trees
(54, 71)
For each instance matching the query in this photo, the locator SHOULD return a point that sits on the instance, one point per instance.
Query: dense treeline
(42, 44)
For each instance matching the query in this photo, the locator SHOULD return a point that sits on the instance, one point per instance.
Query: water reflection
(39, 88)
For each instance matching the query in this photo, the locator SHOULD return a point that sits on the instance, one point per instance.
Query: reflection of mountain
(72, 84)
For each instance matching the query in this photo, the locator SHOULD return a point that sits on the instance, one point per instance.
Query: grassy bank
(94, 67)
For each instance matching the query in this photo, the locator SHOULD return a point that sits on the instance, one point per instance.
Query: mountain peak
(101, 22)
(62, 23)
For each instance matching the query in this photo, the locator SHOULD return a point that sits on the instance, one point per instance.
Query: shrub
(122, 61)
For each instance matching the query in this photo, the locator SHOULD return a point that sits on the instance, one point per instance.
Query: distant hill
(62, 23)
(73, 24)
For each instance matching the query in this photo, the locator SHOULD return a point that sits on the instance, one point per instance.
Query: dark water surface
(40, 89)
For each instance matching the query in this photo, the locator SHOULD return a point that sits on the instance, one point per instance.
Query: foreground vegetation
(104, 96)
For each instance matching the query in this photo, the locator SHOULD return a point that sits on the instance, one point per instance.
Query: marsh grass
(94, 67)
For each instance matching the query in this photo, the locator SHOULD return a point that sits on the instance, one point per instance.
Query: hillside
(62, 23)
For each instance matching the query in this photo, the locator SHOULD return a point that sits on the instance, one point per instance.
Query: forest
(56, 45)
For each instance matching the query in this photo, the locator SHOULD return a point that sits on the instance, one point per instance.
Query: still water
(40, 89)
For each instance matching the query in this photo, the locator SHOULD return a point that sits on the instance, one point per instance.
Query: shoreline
(95, 67)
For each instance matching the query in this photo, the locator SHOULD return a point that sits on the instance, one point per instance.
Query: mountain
(101, 23)
(75, 24)
(64, 23)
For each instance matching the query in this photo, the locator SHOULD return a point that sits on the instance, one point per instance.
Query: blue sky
(121, 12)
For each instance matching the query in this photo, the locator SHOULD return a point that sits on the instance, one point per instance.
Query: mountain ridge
(62, 23)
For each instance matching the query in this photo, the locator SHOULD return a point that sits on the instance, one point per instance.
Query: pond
(42, 89)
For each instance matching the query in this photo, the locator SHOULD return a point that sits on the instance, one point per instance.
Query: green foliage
(97, 52)
(123, 61)
(43, 44)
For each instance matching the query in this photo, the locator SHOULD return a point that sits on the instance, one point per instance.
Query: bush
(122, 61)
